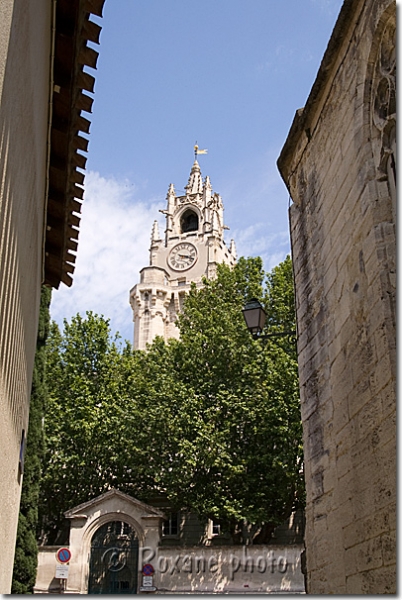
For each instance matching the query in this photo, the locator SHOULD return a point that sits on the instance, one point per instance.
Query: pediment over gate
(114, 501)
(108, 530)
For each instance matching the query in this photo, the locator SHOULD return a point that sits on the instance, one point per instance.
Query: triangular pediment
(116, 495)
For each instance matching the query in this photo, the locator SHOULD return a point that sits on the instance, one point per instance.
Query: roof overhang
(73, 31)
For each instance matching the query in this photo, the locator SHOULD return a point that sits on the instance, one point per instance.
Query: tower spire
(194, 185)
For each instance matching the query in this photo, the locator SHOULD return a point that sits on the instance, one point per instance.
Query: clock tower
(192, 247)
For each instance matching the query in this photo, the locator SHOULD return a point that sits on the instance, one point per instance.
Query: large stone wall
(338, 163)
(24, 94)
(229, 569)
(195, 570)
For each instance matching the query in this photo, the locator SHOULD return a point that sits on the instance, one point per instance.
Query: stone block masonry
(339, 165)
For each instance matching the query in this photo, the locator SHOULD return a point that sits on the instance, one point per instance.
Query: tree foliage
(87, 421)
(26, 551)
(234, 443)
(212, 420)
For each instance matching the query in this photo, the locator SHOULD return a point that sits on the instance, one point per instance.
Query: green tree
(211, 420)
(89, 419)
(25, 561)
(233, 438)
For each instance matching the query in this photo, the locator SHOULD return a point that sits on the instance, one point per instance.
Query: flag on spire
(197, 151)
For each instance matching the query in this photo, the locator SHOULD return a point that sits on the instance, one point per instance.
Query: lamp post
(255, 317)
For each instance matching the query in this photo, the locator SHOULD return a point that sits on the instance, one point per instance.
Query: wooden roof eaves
(73, 31)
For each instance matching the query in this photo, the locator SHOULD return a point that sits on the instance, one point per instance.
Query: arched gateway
(108, 535)
(113, 566)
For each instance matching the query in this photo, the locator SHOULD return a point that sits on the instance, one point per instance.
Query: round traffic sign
(63, 555)
(148, 569)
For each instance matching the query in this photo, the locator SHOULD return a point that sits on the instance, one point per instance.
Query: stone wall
(24, 94)
(338, 164)
(195, 570)
(228, 569)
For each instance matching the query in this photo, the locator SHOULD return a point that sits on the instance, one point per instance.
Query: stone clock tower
(192, 247)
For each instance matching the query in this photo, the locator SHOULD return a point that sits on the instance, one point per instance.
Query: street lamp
(255, 316)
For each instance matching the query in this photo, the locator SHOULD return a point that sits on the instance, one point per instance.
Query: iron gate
(113, 564)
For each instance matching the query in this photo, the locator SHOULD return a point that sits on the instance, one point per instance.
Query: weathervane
(197, 151)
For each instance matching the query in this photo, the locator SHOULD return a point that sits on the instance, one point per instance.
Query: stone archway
(113, 565)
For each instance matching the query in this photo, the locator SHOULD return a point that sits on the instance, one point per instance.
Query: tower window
(189, 221)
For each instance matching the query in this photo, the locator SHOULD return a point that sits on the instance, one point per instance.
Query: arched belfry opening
(114, 559)
(189, 221)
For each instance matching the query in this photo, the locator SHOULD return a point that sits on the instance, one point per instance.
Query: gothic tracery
(384, 105)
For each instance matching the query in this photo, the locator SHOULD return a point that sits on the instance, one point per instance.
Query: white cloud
(113, 246)
(280, 58)
(255, 241)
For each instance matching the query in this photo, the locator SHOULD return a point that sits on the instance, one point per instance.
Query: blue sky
(229, 74)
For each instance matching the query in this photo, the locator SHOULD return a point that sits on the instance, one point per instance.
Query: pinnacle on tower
(214, 222)
(207, 191)
(194, 185)
(155, 236)
(207, 183)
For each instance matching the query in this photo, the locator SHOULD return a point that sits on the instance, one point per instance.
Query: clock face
(182, 256)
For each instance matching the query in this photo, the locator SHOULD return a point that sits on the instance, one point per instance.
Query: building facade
(118, 545)
(338, 163)
(191, 249)
(43, 51)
